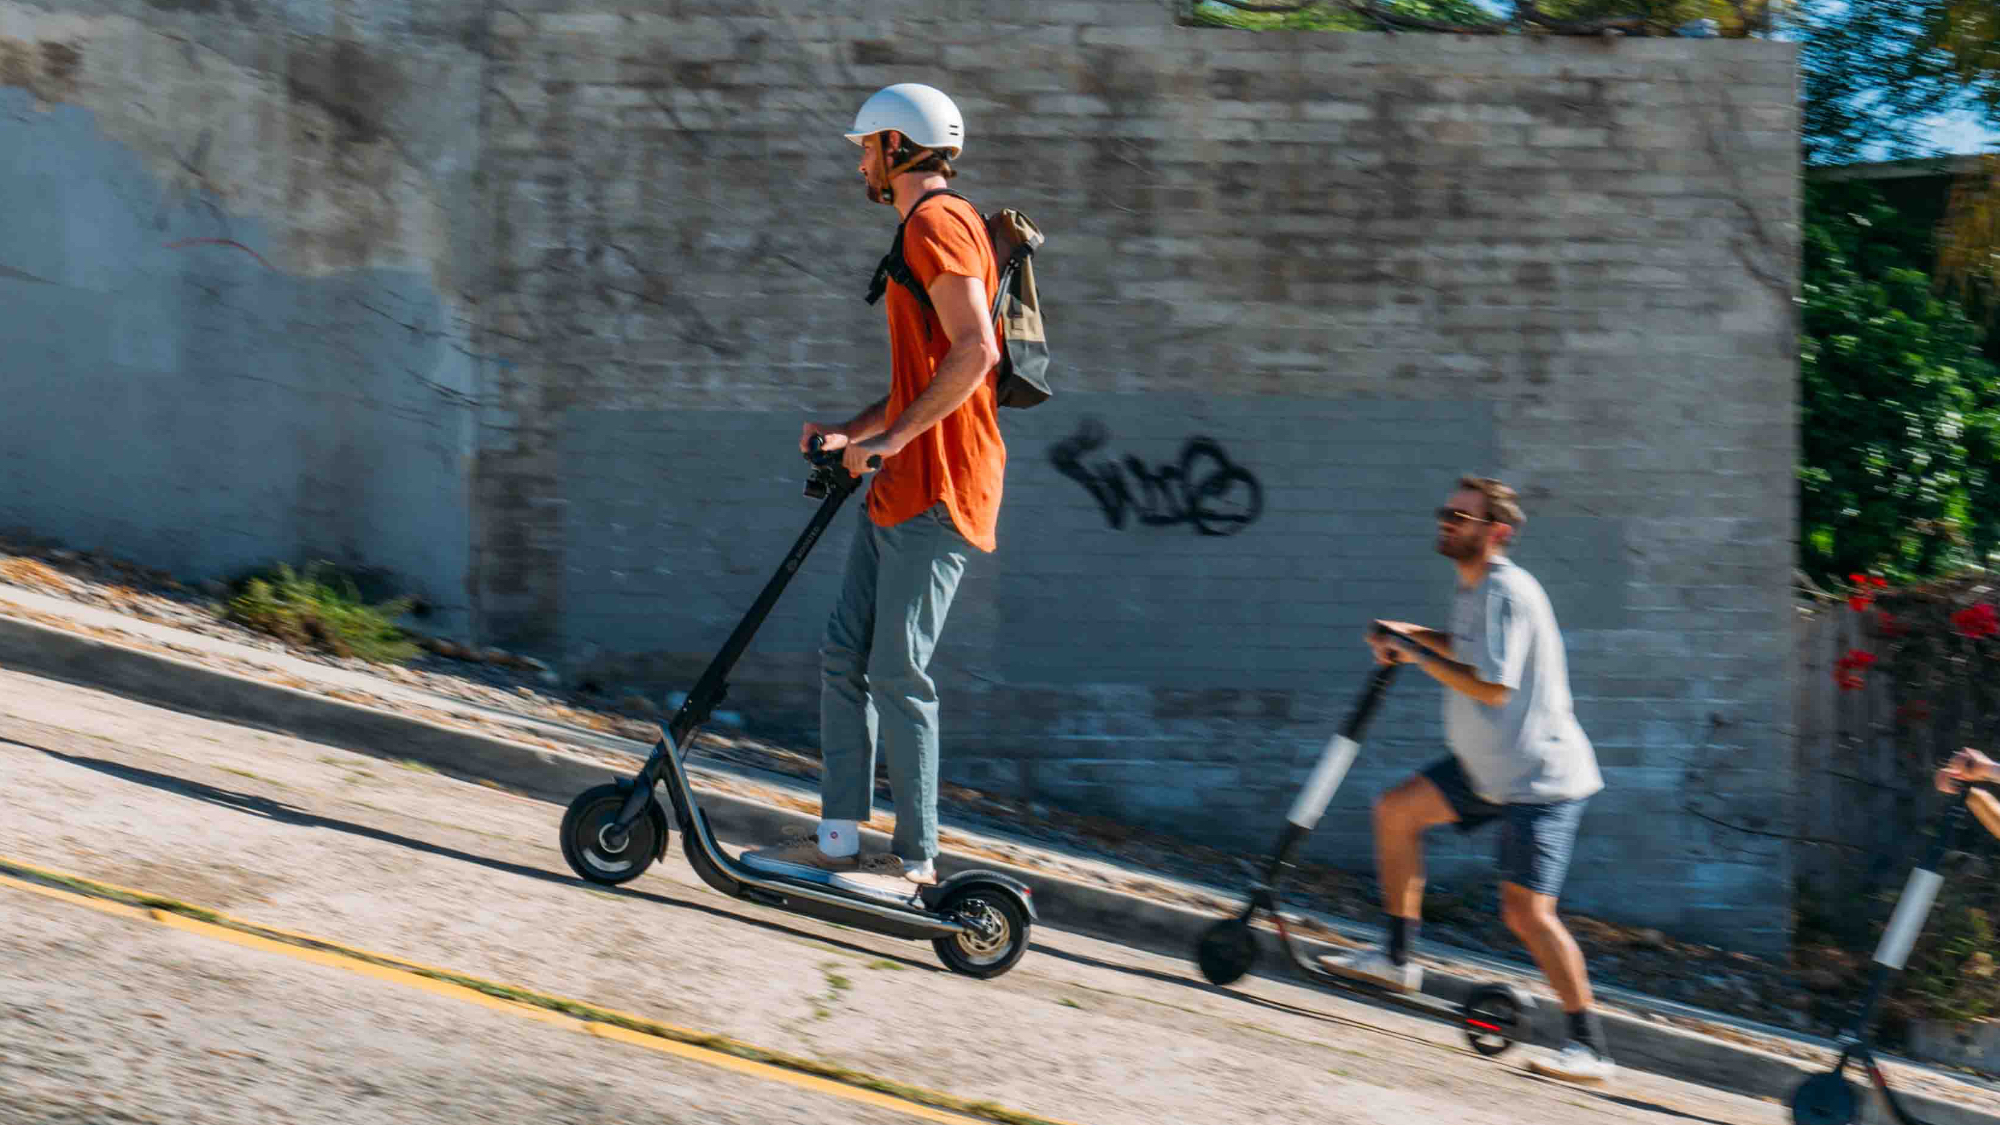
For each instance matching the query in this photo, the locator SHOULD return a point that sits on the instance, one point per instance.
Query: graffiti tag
(1206, 489)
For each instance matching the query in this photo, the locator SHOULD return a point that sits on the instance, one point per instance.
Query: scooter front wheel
(598, 854)
(1824, 1099)
(998, 936)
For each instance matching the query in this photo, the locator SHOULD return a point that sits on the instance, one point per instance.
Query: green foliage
(1318, 17)
(321, 609)
(1900, 440)
(1332, 15)
(1733, 18)
(1951, 974)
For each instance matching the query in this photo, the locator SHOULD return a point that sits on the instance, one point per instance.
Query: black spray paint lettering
(1207, 489)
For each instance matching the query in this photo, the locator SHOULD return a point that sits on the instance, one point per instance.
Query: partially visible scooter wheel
(1227, 950)
(594, 851)
(1497, 1017)
(996, 940)
(1824, 1099)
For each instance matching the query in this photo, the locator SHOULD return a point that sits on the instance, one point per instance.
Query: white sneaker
(923, 873)
(801, 850)
(1576, 1062)
(1374, 966)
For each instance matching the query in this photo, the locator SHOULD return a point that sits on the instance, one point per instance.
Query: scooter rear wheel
(1226, 951)
(1496, 1017)
(983, 955)
(586, 841)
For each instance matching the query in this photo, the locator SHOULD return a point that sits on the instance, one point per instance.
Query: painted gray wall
(229, 338)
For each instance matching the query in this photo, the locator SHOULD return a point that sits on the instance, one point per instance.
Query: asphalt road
(108, 1017)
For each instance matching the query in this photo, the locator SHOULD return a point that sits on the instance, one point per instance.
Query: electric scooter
(1494, 1016)
(1827, 1099)
(978, 921)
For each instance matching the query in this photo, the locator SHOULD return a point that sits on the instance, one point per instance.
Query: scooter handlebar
(1399, 639)
(818, 454)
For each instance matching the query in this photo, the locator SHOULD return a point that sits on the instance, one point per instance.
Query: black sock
(1585, 1028)
(1401, 932)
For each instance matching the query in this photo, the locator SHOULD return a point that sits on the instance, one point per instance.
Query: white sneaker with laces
(1576, 1062)
(1374, 966)
(796, 851)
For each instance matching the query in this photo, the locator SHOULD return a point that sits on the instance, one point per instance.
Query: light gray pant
(899, 585)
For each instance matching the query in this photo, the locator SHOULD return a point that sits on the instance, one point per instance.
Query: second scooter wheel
(1496, 1017)
(1226, 951)
(1002, 938)
(593, 851)
(1824, 1099)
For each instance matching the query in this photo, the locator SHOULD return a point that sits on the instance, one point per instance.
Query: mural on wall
(1206, 489)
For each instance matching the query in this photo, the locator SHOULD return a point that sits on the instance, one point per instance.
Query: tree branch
(1390, 19)
(1631, 25)
(1270, 9)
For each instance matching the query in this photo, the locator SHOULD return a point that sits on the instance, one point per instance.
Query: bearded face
(1463, 529)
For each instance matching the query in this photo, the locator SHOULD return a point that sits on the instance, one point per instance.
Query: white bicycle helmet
(921, 113)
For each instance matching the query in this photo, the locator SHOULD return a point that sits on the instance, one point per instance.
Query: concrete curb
(556, 777)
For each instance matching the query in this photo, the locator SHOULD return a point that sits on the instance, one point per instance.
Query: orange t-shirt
(961, 460)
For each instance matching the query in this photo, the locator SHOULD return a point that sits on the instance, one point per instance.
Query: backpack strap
(892, 267)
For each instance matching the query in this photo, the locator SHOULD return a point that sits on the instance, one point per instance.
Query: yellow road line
(344, 957)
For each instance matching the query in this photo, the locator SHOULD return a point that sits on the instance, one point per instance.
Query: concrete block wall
(550, 285)
(1359, 264)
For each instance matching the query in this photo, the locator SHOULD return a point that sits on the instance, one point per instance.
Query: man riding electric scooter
(934, 500)
(1518, 756)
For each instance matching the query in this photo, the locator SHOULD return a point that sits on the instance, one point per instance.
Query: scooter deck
(886, 890)
(1418, 1002)
(1429, 1005)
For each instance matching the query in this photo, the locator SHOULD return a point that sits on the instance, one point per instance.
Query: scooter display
(978, 921)
(1494, 1016)
(1828, 1099)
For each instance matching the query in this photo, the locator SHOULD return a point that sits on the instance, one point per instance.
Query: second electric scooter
(1828, 1099)
(977, 921)
(1494, 1016)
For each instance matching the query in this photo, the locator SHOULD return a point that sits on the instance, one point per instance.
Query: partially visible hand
(1386, 651)
(1966, 765)
(858, 453)
(833, 438)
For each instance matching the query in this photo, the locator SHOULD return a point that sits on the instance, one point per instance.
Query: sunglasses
(1454, 516)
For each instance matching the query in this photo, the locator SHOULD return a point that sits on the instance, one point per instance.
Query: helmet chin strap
(887, 193)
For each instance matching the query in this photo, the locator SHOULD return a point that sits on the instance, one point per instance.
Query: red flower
(1879, 583)
(1887, 625)
(1859, 602)
(1858, 579)
(1847, 670)
(1976, 621)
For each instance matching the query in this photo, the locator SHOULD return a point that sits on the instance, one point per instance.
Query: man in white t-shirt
(1518, 756)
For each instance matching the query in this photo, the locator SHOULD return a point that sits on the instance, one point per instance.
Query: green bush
(1951, 972)
(321, 609)
(1899, 410)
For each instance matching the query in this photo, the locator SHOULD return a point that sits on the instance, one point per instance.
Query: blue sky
(1962, 133)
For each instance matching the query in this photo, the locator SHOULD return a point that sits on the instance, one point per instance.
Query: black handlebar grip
(818, 454)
